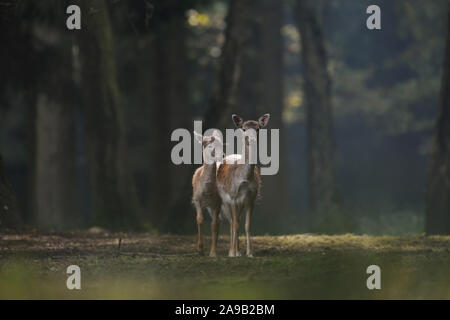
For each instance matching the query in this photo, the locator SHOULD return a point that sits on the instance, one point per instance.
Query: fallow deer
(205, 194)
(239, 184)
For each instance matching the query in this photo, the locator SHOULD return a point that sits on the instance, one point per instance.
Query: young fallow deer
(205, 194)
(239, 183)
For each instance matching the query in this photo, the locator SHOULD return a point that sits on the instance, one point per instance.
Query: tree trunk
(42, 48)
(438, 184)
(274, 191)
(9, 210)
(222, 102)
(114, 199)
(11, 39)
(172, 111)
(55, 172)
(319, 118)
(54, 182)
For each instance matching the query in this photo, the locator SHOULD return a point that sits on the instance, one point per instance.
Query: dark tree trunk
(54, 171)
(172, 111)
(222, 102)
(37, 43)
(113, 194)
(274, 191)
(55, 181)
(319, 117)
(9, 210)
(13, 39)
(438, 185)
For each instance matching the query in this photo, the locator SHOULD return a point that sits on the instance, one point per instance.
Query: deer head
(250, 127)
(212, 147)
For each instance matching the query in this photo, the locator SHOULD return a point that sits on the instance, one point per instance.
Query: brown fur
(205, 196)
(239, 185)
(226, 172)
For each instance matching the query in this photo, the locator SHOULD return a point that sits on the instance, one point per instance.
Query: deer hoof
(213, 254)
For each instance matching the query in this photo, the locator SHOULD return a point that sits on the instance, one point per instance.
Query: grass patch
(166, 267)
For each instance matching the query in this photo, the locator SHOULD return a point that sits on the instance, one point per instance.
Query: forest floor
(306, 266)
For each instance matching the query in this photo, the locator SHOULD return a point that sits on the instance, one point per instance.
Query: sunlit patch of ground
(144, 266)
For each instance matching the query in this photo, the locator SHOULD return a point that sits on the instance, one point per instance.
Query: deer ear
(217, 135)
(263, 120)
(237, 120)
(198, 137)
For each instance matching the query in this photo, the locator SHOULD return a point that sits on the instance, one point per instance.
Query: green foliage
(392, 77)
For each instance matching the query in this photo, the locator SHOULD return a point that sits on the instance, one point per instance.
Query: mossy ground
(33, 265)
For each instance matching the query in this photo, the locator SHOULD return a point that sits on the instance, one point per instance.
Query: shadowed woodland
(86, 115)
(86, 118)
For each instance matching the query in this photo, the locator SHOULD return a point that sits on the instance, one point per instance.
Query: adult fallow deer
(238, 183)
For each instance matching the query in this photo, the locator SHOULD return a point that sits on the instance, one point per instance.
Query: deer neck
(248, 169)
(209, 171)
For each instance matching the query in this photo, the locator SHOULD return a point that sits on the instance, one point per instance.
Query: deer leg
(237, 210)
(248, 215)
(214, 232)
(199, 227)
(234, 231)
(230, 252)
(229, 216)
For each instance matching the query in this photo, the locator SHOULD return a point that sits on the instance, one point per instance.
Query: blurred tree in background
(438, 187)
(39, 45)
(54, 190)
(9, 210)
(319, 115)
(114, 199)
(223, 99)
